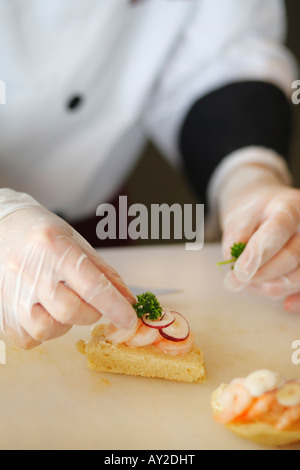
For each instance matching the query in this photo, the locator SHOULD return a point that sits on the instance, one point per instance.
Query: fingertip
(21, 338)
(232, 284)
(123, 315)
(134, 320)
(125, 321)
(247, 266)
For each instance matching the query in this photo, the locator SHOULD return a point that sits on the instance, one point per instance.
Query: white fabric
(139, 67)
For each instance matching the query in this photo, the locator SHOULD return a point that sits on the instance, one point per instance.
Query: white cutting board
(50, 400)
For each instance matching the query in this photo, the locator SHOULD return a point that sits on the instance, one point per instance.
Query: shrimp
(289, 417)
(262, 405)
(120, 335)
(144, 336)
(175, 348)
(234, 402)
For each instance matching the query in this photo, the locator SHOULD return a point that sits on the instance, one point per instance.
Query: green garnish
(236, 251)
(147, 303)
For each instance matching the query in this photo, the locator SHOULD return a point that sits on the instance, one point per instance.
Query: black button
(75, 102)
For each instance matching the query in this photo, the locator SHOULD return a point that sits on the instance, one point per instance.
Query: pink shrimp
(234, 402)
(144, 336)
(289, 417)
(175, 348)
(120, 335)
(262, 405)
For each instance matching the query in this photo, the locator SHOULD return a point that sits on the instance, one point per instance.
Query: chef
(86, 83)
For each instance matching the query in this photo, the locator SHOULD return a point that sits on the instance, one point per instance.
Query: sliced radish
(179, 330)
(143, 337)
(166, 320)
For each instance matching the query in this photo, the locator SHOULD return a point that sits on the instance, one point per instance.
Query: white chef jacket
(138, 68)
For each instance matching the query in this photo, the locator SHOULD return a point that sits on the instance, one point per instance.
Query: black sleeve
(239, 115)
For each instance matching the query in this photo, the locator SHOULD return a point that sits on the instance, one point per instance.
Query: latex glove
(264, 213)
(50, 277)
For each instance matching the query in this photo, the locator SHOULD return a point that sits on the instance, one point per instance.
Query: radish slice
(166, 320)
(179, 330)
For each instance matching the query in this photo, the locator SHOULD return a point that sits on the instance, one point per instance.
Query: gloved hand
(50, 277)
(258, 209)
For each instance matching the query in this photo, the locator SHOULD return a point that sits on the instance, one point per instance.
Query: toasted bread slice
(147, 361)
(258, 431)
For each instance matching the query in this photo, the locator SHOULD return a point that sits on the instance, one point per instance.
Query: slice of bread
(147, 361)
(258, 431)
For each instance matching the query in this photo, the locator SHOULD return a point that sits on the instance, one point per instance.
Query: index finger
(93, 286)
(108, 270)
(114, 277)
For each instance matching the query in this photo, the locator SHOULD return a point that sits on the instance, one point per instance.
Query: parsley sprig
(147, 303)
(236, 251)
